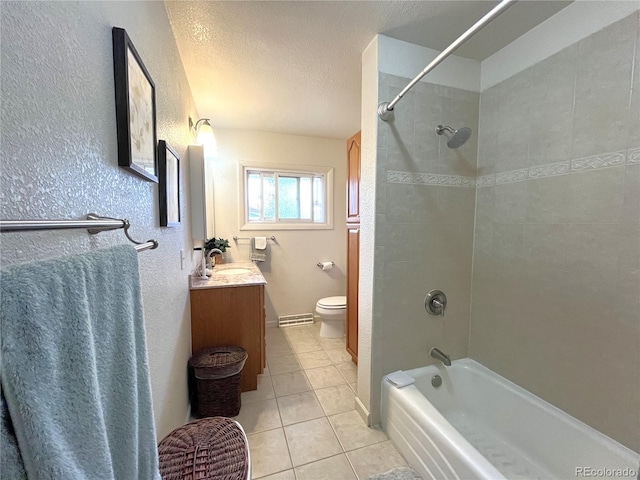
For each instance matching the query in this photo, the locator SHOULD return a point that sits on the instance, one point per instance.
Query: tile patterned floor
(301, 422)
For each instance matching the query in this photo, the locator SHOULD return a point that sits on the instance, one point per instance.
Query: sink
(231, 271)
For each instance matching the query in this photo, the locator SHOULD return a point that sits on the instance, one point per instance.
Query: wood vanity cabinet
(231, 316)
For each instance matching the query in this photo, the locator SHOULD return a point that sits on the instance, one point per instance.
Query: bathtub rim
(468, 363)
(412, 396)
(429, 417)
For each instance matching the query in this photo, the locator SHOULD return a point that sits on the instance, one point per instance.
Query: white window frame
(283, 169)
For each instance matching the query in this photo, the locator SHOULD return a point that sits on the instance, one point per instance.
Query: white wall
(295, 283)
(405, 59)
(59, 158)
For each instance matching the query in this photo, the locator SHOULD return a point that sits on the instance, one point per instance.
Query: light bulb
(207, 139)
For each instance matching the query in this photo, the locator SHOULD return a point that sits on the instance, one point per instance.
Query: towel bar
(236, 238)
(93, 223)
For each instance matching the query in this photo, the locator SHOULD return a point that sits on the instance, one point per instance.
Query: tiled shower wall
(424, 227)
(556, 270)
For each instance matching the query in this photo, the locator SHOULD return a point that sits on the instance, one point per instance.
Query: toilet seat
(333, 303)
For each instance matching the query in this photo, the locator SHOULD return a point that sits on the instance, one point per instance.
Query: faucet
(440, 355)
(212, 252)
(203, 264)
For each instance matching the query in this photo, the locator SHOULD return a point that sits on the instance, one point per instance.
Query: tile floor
(301, 421)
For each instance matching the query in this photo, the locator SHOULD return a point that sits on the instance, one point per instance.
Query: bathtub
(479, 425)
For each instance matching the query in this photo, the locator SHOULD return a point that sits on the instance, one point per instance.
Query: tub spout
(440, 355)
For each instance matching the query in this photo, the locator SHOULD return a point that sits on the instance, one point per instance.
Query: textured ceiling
(294, 67)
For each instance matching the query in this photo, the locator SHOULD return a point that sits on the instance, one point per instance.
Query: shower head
(456, 138)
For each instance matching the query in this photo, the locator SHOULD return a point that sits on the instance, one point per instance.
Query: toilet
(333, 313)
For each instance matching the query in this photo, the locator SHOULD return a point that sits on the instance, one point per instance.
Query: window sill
(285, 226)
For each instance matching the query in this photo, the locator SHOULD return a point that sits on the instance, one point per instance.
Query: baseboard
(363, 412)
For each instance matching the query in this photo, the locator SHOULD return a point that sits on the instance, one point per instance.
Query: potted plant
(221, 244)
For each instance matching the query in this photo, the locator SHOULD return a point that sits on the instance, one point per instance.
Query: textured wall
(368, 366)
(291, 262)
(59, 157)
(556, 276)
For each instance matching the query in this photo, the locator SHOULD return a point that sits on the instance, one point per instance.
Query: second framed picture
(169, 185)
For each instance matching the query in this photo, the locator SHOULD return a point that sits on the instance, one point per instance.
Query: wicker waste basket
(214, 448)
(217, 371)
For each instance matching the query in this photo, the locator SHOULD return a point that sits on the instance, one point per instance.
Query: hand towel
(400, 379)
(258, 254)
(74, 373)
(261, 243)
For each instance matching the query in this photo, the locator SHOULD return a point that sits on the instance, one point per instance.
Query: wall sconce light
(203, 132)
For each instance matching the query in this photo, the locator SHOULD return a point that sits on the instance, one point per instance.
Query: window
(287, 199)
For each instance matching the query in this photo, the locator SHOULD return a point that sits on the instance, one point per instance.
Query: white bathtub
(479, 425)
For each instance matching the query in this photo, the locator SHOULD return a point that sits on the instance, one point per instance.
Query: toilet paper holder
(325, 265)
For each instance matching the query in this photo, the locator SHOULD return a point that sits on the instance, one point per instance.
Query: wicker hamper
(212, 448)
(217, 371)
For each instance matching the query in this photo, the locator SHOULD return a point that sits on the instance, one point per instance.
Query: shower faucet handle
(435, 303)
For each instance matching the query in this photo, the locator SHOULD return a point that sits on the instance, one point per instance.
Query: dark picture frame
(169, 185)
(135, 109)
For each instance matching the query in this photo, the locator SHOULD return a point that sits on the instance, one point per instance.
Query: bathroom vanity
(228, 309)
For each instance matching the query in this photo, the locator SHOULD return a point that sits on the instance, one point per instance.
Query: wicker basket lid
(218, 362)
(213, 448)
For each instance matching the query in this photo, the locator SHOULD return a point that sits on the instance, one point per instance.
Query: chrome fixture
(455, 138)
(436, 381)
(385, 109)
(212, 254)
(94, 224)
(435, 302)
(440, 355)
(203, 272)
(236, 238)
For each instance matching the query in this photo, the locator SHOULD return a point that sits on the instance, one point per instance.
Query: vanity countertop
(219, 279)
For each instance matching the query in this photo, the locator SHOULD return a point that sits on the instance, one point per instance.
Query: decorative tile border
(486, 180)
(550, 170)
(512, 176)
(596, 162)
(409, 178)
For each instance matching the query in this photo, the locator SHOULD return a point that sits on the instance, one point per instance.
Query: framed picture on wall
(169, 185)
(135, 109)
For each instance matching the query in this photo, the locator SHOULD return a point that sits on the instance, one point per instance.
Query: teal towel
(74, 370)
(11, 464)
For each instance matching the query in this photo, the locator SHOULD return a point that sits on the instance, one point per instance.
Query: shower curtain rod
(94, 224)
(385, 109)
